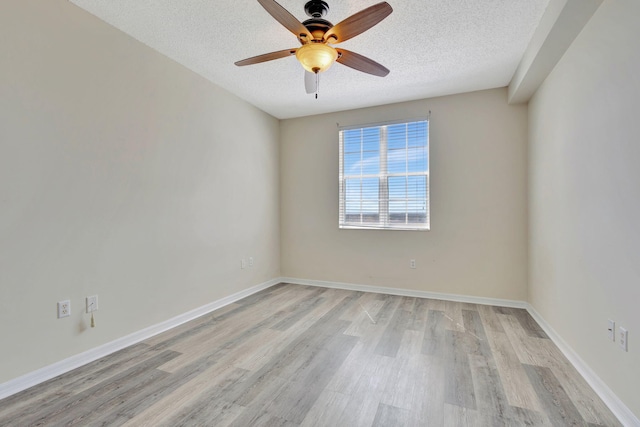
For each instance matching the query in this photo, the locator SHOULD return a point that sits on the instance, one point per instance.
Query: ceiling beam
(561, 23)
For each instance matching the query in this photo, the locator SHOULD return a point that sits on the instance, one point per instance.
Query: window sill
(376, 227)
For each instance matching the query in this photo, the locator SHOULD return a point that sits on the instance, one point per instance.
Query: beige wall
(477, 243)
(585, 196)
(122, 174)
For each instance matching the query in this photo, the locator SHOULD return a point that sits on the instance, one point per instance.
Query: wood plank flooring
(304, 356)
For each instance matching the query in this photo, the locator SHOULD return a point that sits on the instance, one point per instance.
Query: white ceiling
(432, 47)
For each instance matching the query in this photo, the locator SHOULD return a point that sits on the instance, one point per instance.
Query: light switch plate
(611, 330)
(92, 303)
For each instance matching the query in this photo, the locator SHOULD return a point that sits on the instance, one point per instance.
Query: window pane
(352, 141)
(397, 207)
(416, 217)
(361, 200)
(371, 139)
(352, 164)
(352, 187)
(417, 198)
(370, 189)
(397, 161)
(353, 207)
(417, 206)
(370, 211)
(397, 136)
(417, 134)
(352, 199)
(370, 202)
(417, 210)
(397, 212)
(353, 217)
(417, 159)
(397, 188)
(416, 187)
(370, 163)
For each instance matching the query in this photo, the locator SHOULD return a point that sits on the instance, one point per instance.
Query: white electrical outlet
(611, 330)
(243, 263)
(64, 309)
(624, 335)
(250, 261)
(92, 303)
(412, 263)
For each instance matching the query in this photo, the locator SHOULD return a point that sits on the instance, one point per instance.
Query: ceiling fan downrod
(316, 8)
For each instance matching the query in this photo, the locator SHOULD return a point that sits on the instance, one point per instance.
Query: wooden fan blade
(284, 17)
(361, 63)
(266, 57)
(358, 23)
(310, 82)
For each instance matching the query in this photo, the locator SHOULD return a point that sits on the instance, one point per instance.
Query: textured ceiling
(432, 47)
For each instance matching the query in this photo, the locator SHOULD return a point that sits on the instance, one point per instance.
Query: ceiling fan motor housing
(317, 27)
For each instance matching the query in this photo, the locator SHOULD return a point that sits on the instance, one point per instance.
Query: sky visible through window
(406, 164)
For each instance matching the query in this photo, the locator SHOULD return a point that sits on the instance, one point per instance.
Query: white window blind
(384, 176)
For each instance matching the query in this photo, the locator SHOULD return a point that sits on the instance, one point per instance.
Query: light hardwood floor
(303, 356)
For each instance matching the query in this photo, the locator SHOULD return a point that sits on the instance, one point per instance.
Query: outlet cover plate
(64, 308)
(624, 336)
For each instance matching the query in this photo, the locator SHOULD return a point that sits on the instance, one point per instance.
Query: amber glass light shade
(316, 57)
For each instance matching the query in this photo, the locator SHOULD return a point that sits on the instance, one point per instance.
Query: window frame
(383, 176)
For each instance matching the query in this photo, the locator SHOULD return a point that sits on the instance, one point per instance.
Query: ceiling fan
(316, 35)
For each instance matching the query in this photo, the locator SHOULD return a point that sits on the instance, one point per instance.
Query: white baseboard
(407, 292)
(36, 377)
(619, 409)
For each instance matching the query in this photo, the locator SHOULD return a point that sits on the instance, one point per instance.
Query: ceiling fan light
(316, 57)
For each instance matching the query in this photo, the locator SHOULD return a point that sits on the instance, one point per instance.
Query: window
(384, 176)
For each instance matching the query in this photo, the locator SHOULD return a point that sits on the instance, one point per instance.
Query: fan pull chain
(317, 83)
